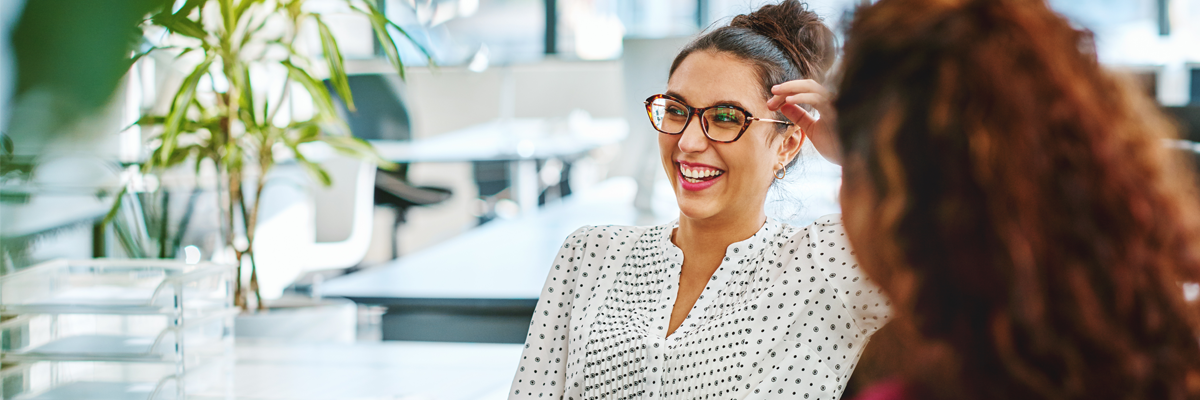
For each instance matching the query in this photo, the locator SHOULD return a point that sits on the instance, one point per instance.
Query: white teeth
(698, 173)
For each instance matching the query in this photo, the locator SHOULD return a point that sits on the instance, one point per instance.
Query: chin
(698, 209)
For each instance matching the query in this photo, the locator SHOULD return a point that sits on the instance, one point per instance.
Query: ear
(790, 146)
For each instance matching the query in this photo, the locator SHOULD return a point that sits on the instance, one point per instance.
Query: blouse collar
(736, 251)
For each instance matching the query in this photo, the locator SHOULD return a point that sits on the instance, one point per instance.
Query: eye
(727, 115)
(676, 110)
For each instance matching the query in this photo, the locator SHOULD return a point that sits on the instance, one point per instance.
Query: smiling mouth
(696, 174)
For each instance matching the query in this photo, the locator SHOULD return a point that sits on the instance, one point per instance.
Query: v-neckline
(716, 282)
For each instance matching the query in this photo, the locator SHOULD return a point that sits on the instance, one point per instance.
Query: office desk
(484, 284)
(508, 140)
(387, 370)
(520, 142)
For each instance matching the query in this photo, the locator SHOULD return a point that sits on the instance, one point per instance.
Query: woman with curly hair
(1017, 203)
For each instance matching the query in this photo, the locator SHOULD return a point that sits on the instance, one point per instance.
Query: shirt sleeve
(868, 306)
(543, 367)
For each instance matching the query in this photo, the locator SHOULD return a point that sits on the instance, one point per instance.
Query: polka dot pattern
(786, 314)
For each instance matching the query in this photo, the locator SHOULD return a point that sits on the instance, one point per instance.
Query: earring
(781, 172)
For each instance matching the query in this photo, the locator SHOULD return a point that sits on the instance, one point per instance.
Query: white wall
(449, 98)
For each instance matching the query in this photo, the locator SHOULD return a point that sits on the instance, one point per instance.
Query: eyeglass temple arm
(770, 120)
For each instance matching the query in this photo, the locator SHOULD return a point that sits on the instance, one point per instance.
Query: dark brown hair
(784, 41)
(1019, 204)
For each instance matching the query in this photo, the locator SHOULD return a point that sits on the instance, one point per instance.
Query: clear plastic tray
(52, 380)
(118, 286)
(114, 337)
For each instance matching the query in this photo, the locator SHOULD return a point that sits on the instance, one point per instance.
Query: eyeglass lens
(720, 123)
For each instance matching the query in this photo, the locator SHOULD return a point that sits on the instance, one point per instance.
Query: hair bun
(797, 31)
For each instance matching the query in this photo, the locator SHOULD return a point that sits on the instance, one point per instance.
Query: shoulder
(831, 249)
(824, 238)
(589, 236)
(599, 243)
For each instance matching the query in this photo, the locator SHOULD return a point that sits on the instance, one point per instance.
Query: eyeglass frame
(699, 111)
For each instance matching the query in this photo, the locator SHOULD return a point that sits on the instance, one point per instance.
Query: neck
(715, 234)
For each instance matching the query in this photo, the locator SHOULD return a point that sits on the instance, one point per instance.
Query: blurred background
(381, 245)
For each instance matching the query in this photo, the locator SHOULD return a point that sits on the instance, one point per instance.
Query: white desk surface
(370, 371)
(515, 139)
(503, 259)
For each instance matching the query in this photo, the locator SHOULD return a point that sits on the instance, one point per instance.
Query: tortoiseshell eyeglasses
(720, 123)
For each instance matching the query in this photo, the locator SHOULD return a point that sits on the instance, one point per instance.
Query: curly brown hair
(1018, 203)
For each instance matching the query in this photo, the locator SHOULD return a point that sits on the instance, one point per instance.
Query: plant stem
(235, 195)
(250, 225)
(163, 241)
(254, 284)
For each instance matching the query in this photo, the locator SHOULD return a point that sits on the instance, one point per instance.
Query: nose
(692, 140)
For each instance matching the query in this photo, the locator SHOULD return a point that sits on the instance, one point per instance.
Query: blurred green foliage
(71, 53)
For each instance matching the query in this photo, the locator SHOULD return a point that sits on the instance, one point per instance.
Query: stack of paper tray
(115, 329)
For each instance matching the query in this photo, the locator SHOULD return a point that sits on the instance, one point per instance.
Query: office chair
(381, 115)
(304, 227)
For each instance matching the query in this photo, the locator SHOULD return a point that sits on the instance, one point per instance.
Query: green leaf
(139, 56)
(357, 148)
(181, 25)
(252, 31)
(294, 7)
(197, 165)
(185, 51)
(425, 51)
(246, 100)
(146, 120)
(379, 23)
(188, 7)
(337, 65)
(309, 133)
(243, 6)
(179, 155)
(112, 212)
(174, 122)
(227, 18)
(302, 132)
(314, 169)
(318, 92)
(165, 7)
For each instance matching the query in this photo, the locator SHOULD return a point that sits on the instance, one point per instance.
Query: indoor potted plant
(220, 115)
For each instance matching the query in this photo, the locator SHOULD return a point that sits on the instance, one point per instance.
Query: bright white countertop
(369, 371)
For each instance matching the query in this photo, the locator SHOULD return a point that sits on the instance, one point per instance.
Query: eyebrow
(676, 95)
(718, 103)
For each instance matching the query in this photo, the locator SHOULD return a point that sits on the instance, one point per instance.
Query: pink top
(893, 389)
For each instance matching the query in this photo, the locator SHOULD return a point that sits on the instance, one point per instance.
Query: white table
(489, 278)
(520, 141)
(369, 371)
(503, 259)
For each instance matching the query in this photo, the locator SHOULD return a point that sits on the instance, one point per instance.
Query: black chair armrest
(396, 191)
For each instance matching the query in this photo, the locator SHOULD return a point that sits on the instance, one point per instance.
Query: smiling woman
(723, 302)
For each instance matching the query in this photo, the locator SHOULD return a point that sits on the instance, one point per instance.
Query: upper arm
(542, 368)
(866, 303)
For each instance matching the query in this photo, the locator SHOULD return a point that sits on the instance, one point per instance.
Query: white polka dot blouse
(786, 314)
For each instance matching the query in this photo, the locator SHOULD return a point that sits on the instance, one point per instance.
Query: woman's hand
(821, 128)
